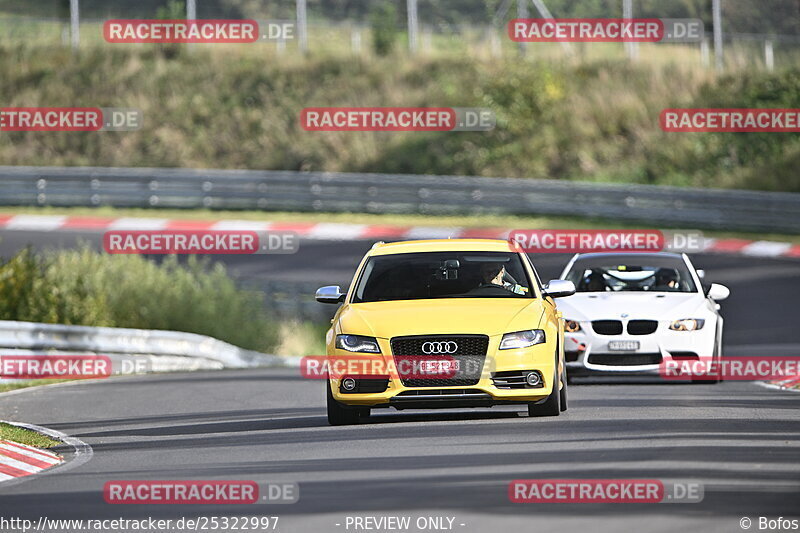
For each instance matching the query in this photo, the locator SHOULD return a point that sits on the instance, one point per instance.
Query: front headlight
(522, 339)
(687, 324)
(571, 326)
(357, 343)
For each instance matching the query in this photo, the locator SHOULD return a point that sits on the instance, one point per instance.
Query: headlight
(522, 339)
(357, 343)
(571, 326)
(687, 324)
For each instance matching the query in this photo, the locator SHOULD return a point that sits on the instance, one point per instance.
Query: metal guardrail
(398, 193)
(163, 351)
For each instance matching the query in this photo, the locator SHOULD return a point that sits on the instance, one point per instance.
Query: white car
(633, 311)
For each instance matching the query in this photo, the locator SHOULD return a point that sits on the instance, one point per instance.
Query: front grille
(628, 359)
(571, 357)
(470, 352)
(642, 327)
(607, 327)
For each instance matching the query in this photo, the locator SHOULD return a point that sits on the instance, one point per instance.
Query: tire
(338, 414)
(551, 406)
(563, 393)
(717, 359)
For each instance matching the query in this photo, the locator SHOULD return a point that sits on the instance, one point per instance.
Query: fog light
(533, 379)
(349, 384)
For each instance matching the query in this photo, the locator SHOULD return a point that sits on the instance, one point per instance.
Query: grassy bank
(26, 436)
(238, 107)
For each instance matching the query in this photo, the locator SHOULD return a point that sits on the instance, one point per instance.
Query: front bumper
(500, 370)
(587, 353)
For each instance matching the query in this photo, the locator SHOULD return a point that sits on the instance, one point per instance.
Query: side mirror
(330, 294)
(556, 288)
(718, 292)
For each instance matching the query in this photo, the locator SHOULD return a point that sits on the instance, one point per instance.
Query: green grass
(26, 436)
(466, 221)
(5, 387)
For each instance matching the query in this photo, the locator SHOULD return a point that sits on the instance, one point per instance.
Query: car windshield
(416, 276)
(630, 273)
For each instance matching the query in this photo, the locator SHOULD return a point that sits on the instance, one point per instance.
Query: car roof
(636, 255)
(443, 245)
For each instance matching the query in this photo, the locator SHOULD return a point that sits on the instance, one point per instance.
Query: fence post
(523, 13)
(427, 40)
(75, 23)
(769, 56)
(413, 25)
(717, 15)
(705, 53)
(631, 48)
(302, 25)
(355, 40)
(494, 42)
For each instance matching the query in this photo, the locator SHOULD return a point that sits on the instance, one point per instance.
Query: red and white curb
(330, 231)
(81, 452)
(19, 460)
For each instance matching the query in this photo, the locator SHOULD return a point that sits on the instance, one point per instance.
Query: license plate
(439, 367)
(623, 346)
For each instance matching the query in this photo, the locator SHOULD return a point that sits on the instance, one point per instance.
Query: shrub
(84, 287)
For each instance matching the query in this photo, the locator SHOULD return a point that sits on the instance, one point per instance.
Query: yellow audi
(445, 323)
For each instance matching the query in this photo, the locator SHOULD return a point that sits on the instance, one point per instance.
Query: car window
(621, 274)
(428, 275)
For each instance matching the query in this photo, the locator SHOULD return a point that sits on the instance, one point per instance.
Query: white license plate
(623, 346)
(439, 367)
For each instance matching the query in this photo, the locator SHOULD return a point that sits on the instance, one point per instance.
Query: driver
(494, 275)
(666, 280)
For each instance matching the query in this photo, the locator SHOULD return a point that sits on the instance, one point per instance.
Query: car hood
(487, 316)
(637, 305)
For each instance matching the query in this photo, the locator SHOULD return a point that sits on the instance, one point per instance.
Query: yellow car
(445, 323)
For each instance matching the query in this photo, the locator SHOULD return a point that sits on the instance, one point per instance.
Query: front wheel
(550, 406)
(717, 363)
(338, 414)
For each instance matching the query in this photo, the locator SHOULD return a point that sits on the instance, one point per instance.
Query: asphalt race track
(741, 440)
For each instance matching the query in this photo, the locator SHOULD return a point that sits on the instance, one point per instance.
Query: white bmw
(633, 311)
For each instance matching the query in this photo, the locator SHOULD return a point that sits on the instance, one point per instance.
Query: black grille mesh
(607, 327)
(471, 353)
(642, 327)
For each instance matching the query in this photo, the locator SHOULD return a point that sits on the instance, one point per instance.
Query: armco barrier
(164, 350)
(398, 193)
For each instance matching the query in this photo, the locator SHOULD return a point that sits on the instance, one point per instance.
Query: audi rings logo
(439, 347)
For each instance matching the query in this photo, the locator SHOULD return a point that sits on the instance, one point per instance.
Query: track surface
(741, 440)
